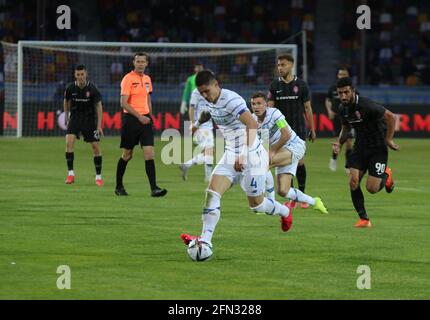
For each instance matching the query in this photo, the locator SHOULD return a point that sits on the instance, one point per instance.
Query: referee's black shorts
(134, 132)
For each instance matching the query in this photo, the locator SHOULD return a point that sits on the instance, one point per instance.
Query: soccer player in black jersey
(374, 130)
(291, 96)
(332, 103)
(83, 100)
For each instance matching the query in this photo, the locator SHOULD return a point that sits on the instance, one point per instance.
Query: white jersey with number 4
(225, 113)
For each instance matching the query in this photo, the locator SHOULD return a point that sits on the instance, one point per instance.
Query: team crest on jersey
(88, 94)
(296, 89)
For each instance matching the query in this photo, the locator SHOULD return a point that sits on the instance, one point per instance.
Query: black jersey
(334, 98)
(83, 101)
(367, 118)
(290, 98)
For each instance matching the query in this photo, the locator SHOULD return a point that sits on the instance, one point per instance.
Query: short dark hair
(344, 82)
(204, 77)
(343, 67)
(141, 54)
(286, 56)
(259, 94)
(80, 67)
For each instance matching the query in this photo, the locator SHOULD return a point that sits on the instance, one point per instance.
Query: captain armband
(281, 123)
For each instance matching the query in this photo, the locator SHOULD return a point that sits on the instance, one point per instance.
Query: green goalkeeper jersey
(190, 85)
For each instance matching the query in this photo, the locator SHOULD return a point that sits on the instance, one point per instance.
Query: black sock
(98, 164)
(347, 154)
(70, 156)
(120, 170)
(150, 172)
(301, 177)
(358, 201)
(334, 156)
(383, 181)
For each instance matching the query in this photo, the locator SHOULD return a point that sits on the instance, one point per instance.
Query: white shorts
(297, 147)
(204, 138)
(253, 176)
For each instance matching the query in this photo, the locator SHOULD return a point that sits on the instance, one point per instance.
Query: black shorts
(373, 160)
(134, 132)
(303, 135)
(87, 128)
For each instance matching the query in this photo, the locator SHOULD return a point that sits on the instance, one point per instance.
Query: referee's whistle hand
(144, 119)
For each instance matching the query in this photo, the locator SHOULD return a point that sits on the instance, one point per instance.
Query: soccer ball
(199, 251)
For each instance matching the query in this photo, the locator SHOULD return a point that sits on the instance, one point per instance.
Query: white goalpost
(36, 73)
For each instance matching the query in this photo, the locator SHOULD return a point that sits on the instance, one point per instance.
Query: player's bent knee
(282, 193)
(148, 154)
(372, 189)
(353, 184)
(127, 155)
(212, 199)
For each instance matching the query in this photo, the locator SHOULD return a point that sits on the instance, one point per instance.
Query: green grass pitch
(129, 247)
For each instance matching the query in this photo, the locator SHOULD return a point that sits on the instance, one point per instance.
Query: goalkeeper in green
(190, 85)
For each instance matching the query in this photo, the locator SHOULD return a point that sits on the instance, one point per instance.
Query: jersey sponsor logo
(287, 98)
(81, 100)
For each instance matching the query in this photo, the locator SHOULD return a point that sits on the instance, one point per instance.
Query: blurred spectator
(116, 71)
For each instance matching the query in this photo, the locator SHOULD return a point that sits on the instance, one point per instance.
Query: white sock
(71, 173)
(271, 207)
(211, 215)
(297, 195)
(98, 176)
(270, 186)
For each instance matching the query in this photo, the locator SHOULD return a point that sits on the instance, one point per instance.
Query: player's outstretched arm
(66, 106)
(285, 136)
(328, 106)
(390, 119)
(343, 136)
(205, 116)
(99, 109)
(310, 118)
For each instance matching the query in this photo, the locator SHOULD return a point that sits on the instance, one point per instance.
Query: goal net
(36, 74)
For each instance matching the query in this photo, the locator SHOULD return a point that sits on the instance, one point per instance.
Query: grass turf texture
(129, 247)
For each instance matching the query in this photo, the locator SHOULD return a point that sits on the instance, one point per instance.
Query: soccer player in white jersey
(244, 157)
(203, 137)
(273, 127)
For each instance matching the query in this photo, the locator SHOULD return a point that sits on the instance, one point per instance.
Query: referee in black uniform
(332, 103)
(374, 130)
(291, 96)
(83, 100)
